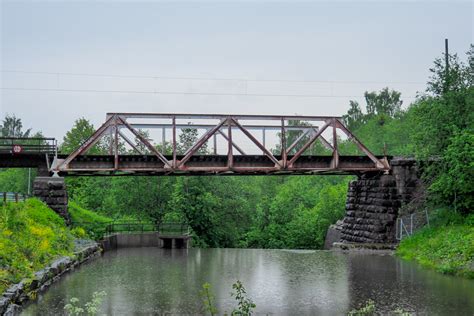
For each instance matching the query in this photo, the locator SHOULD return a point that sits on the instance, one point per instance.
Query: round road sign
(17, 149)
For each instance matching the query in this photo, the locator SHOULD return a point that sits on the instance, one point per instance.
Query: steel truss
(157, 162)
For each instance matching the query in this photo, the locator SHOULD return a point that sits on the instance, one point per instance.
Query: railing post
(283, 143)
(16, 197)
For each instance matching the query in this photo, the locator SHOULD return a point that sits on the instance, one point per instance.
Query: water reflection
(147, 281)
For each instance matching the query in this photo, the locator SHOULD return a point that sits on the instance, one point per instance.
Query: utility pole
(446, 66)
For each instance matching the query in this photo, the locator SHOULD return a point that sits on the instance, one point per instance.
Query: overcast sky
(306, 58)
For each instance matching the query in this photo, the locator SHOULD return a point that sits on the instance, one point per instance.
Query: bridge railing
(101, 229)
(28, 145)
(12, 197)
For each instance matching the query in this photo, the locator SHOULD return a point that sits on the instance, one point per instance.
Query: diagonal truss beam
(306, 146)
(378, 163)
(91, 141)
(130, 142)
(200, 143)
(146, 142)
(256, 142)
(311, 133)
(233, 143)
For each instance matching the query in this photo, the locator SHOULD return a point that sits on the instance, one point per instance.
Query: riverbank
(36, 247)
(447, 247)
(15, 296)
(32, 235)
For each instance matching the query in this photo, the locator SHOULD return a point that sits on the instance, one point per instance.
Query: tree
(454, 77)
(187, 139)
(80, 132)
(13, 127)
(455, 183)
(384, 103)
(442, 129)
(382, 106)
(354, 117)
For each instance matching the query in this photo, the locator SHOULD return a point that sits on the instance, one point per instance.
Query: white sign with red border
(17, 149)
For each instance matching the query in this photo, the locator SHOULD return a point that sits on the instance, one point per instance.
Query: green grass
(79, 214)
(31, 236)
(447, 247)
(93, 223)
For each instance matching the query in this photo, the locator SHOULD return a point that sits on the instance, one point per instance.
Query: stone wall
(374, 201)
(16, 295)
(53, 192)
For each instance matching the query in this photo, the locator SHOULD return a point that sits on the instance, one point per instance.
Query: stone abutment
(374, 201)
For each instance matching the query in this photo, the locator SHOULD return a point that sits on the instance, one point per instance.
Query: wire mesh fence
(408, 224)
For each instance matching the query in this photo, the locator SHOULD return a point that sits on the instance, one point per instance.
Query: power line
(188, 93)
(207, 78)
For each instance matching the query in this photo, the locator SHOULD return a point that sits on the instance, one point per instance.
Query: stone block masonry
(53, 192)
(18, 294)
(373, 203)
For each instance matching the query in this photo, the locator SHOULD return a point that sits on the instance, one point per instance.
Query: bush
(32, 235)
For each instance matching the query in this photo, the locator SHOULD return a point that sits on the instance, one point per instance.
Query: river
(151, 281)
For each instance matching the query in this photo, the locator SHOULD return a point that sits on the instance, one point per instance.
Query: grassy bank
(31, 236)
(447, 246)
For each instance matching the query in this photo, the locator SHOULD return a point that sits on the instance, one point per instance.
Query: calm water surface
(150, 281)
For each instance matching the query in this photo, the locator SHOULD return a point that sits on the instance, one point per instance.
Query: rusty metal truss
(148, 158)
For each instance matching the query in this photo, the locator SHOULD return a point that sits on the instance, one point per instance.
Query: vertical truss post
(335, 152)
(111, 142)
(163, 139)
(214, 138)
(230, 154)
(174, 142)
(263, 137)
(283, 144)
(116, 153)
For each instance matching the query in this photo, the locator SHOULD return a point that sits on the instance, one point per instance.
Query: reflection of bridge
(127, 138)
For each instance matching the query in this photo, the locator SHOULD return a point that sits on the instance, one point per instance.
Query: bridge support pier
(52, 191)
(374, 201)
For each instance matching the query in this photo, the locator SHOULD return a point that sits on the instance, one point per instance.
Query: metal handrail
(13, 197)
(111, 227)
(28, 145)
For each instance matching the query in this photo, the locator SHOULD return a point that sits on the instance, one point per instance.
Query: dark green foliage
(455, 183)
(13, 127)
(79, 133)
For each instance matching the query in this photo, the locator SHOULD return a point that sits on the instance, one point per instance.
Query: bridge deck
(197, 165)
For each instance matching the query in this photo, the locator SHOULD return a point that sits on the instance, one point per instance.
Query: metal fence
(101, 229)
(13, 197)
(408, 224)
(28, 145)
